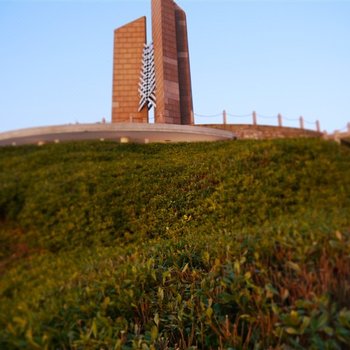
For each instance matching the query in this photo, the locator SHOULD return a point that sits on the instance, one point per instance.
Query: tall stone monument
(155, 75)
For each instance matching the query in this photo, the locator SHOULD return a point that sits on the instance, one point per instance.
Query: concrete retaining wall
(121, 132)
(264, 132)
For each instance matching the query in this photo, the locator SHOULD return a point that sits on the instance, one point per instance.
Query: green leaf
(291, 330)
(322, 321)
(293, 266)
(329, 331)
(154, 333)
(305, 324)
(237, 267)
(161, 293)
(185, 268)
(209, 312)
(344, 318)
(156, 319)
(247, 275)
(94, 328)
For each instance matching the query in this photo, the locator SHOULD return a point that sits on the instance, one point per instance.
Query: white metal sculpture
(147, 84)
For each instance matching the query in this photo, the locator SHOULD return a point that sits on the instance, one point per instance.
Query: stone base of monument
(120, 132)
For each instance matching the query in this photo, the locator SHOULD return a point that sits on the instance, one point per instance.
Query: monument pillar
(166, 65)
(156, 75)
(183, 57)
(129, 42)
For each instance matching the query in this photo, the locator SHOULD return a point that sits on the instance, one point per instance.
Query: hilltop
(241, 245)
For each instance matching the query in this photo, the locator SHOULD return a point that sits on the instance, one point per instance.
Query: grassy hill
(232, 245)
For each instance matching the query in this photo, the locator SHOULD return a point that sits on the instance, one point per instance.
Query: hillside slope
(241, 244)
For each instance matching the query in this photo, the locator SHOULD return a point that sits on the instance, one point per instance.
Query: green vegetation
(232, 245)
(346, 142)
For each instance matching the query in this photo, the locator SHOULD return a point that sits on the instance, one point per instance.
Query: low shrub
(232, 245)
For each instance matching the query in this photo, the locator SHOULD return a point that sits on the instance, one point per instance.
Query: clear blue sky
(274, 57)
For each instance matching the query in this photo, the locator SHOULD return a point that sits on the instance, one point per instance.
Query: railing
(254, 119)
(340, 134)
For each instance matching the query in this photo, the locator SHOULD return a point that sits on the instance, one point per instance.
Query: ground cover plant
(229, 245)
(345, 142)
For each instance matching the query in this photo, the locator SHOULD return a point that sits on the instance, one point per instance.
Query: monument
(145, 76)
(156, 74)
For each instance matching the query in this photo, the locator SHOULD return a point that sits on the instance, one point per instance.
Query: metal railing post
(224, 117)
(255, 122)
(279, 117)
(318, 126)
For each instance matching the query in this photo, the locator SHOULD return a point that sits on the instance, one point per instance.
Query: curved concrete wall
(263, 132)
(121, 132)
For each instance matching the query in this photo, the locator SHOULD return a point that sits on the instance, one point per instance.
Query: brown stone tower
(170, 68)
(183, 59)
(129, 42)
(171, 56)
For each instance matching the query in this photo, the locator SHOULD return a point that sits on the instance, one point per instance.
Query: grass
(232, 245)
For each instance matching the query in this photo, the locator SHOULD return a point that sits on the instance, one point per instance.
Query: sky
(288, 57)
